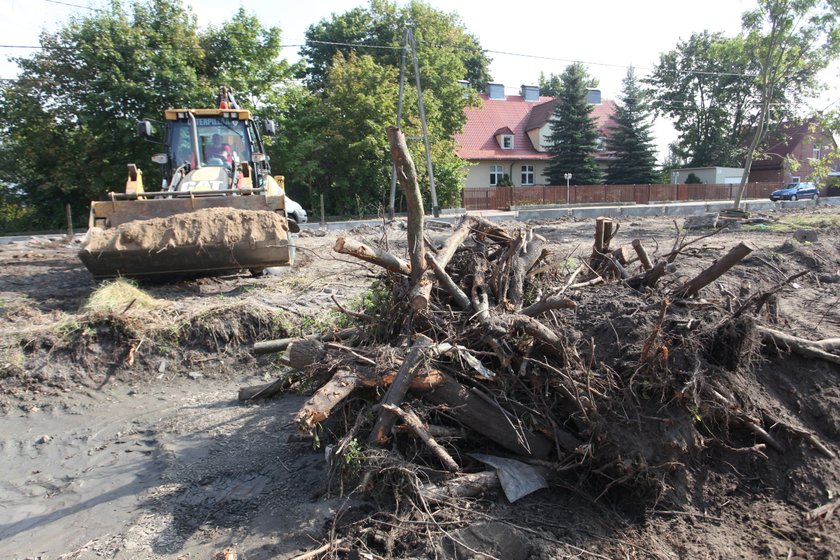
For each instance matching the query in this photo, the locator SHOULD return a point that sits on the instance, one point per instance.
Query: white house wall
(478, 175)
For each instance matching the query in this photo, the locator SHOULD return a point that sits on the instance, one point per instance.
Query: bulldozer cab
(222, 139)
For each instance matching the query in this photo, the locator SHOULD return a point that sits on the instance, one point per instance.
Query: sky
(539, 35)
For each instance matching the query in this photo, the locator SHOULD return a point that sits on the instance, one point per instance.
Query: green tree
(551, 85)
(703, 85)
(67, 124)
(630, 139)
(446, 53)
(787, 39)
(573, 137)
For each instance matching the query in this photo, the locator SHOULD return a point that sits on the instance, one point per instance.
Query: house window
(527, 174)
(817, 152)
(496, 175)
(794, 179)
(600, 144)
(507, 141)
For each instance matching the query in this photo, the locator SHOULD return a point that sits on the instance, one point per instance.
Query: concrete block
(594, 212)
(643, 210)
(830, 200)
(544, 214)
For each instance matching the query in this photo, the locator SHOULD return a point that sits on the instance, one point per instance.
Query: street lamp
(568, 177)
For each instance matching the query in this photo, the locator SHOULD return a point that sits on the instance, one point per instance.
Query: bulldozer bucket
(194, 234)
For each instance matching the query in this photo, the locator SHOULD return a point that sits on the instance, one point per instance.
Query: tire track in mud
(181, 469)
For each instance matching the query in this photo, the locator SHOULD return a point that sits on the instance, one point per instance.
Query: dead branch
(420, 292)
(547, 304)
(803, 347)
(268, 390)
(280, 344)
(446, 282)
(718, 269)
(416, 425)
(381, 431)
(372, 255)
(642, 254)
(761, 298)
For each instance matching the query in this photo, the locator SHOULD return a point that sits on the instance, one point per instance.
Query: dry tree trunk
(407, 175)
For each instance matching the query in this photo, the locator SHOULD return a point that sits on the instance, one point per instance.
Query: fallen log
(280, 344)
(321, 404)
(718, 269)
(305, 352)
(372, 255)
(489, 420)
(526, 257)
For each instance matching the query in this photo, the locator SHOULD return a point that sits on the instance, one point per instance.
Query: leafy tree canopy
(369, 40)
(67, 125)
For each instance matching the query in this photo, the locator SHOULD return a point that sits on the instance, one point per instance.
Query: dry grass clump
(119, 297)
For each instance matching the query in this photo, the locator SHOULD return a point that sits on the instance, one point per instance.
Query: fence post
(69, 214)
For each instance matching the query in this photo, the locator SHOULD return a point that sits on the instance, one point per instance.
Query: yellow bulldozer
(218, 208)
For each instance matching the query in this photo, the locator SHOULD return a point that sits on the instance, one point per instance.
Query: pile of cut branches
(490, 355)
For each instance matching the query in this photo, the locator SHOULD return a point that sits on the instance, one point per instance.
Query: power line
(72, 5)
(397, 48)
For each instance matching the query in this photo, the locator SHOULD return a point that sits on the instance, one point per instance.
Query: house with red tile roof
(507, 135)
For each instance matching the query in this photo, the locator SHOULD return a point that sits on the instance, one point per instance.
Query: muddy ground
(122, 436)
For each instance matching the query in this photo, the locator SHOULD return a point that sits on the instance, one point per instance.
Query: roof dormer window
(507, 141)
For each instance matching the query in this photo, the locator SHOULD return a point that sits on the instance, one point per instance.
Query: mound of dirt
(209, 226)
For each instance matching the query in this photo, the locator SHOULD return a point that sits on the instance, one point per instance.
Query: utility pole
(392, 200)
(435, 207)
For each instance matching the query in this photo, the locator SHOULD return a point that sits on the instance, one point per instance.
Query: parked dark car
(796, 191)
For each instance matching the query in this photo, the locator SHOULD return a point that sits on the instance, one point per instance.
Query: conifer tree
(630, 139)
(573, 139)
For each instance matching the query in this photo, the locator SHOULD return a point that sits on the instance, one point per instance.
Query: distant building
(508, 136)
(797, 142)
(708, 175)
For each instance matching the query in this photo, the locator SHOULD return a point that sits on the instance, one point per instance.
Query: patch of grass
(118, 296)
(815, 221)
(12, 362)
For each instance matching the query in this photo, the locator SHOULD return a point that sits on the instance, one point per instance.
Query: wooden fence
(503, 198)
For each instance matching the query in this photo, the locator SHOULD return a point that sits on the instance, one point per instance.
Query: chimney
(496, 91)
(530, 93)
(593, 96)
